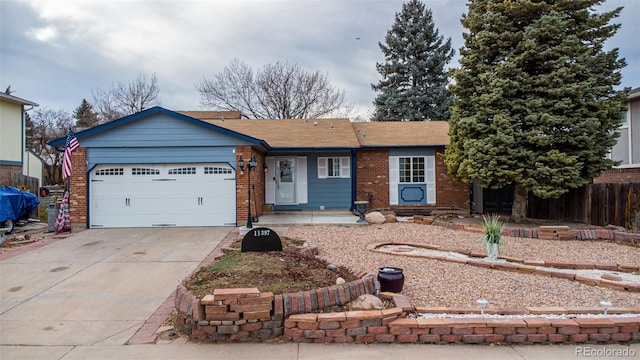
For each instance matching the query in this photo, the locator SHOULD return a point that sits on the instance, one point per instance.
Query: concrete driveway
(96, 287)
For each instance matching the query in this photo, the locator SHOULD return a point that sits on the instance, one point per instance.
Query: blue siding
(160, 155)
(412, 194)
(330, 193)
(159, 130)
(424, 151)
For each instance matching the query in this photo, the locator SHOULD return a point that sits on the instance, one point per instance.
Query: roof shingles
(335, 133)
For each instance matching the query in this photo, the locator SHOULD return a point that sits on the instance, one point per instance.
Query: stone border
(616, 234)
(225, 318)
(388, 326)
(525, 265)
(295, 322)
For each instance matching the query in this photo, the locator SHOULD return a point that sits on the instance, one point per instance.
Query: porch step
(411, 210)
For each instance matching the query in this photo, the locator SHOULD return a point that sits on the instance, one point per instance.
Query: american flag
(72, 144)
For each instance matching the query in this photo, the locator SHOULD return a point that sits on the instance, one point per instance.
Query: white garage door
(162, 195)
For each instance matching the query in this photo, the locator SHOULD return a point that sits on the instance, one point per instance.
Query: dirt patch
(280, 272)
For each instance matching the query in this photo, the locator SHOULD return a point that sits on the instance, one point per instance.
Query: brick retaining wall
(249, 315)
(391, 326)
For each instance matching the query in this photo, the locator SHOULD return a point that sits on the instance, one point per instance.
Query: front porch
(306, 217)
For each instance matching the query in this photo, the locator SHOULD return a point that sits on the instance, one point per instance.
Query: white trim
(627, 166)
(302, 195)
(270, 180)
(344, 163)
(394, 179)
(429, 177)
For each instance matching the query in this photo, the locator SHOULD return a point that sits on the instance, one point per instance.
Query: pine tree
(414, 84)
(85, 115)
(535, 104)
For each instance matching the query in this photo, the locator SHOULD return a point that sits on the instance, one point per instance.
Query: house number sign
(261, 239)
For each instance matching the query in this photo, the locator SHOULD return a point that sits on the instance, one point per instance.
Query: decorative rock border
(248, 315)
(392, 326)
(290, 318)
(616, 234)
(526, 266)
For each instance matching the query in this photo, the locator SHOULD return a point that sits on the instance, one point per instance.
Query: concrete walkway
(85, 296)
(309, 217)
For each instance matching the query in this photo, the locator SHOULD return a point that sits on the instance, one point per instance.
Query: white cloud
(69, 47)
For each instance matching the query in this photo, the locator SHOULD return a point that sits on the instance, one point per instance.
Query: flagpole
(71, 145)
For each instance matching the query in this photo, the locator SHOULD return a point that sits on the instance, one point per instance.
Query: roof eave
(159, 110)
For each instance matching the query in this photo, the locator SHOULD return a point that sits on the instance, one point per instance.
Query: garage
(157, 195)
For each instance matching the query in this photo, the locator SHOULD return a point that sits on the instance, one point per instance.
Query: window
(144, 171)
(334, 167)
(110, 172)
(183, 171)
(624, 119)
(411, 169)
(216, 170)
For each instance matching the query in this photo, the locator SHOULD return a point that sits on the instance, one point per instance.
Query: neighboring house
(12, 135)
(627, 149)
(33, 166)
(165, 168)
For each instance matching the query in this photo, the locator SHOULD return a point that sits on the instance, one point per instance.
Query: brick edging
(618, 235)
(391, 326)
(525, 265)
(225, 320)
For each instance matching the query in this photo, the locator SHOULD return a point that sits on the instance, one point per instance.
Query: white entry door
(285, 181)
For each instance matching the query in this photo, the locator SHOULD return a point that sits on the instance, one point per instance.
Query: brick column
(373, 178)
(242, 183)
(78, 190)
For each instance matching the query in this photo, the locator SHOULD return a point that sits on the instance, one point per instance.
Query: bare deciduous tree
(277, 91)
(124, 99)
(45, 125)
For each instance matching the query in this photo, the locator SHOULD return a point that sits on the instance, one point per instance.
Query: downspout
(354, 176)
(24, 134)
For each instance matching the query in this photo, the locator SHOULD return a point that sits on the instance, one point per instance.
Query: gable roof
(336, 133)
(154, 111)
(296, 133)
(211, 115)
(402, 133)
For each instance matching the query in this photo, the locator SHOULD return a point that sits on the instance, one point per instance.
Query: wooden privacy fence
(595, 204)
(24, 183)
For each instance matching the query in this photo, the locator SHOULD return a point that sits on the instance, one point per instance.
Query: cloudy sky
(56, 52)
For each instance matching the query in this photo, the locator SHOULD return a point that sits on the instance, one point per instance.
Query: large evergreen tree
(85, 115)
(535, 104)
(414, 80)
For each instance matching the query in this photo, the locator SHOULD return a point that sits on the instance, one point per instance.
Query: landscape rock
(375, 217)
(366, 302)
(390, 218)
(340, 281)
(332, 267)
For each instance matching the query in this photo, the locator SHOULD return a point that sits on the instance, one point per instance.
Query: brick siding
(242, 182)
(626, 175)
(373, 182)
(78, 190)
(373, 178)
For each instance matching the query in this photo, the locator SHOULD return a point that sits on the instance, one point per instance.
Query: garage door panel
(162, 195)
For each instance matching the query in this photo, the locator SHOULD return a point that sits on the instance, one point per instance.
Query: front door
(285, 181)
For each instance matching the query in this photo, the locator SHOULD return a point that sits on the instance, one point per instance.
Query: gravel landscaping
(437, 283)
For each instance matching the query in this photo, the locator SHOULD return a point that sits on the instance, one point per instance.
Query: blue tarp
(15, 204)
